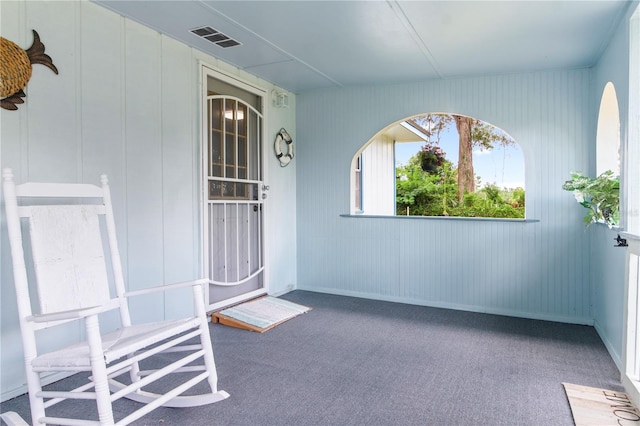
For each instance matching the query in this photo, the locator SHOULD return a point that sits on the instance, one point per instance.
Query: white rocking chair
(66, 223)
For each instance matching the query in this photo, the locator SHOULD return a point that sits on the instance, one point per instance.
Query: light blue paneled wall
(607, 273)
(537, 269)
(607, 262)
(126, 103)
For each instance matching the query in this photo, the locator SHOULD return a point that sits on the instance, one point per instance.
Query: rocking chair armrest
(66, 315)
(199, 282)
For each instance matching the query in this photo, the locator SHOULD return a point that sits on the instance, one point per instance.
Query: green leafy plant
(601, 195)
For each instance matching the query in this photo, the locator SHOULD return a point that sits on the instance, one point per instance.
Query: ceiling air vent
(215, 37)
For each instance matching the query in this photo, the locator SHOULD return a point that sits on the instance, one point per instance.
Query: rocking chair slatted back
(74, 268)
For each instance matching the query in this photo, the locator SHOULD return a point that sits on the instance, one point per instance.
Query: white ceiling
(307, 45)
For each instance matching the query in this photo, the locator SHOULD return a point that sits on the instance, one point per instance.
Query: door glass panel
(216, 114)
(230, 156)
(242, 158)
(235, 204)
(215, 165)
(219, 189)
(229, 115)
(215, 137)
(242, 120)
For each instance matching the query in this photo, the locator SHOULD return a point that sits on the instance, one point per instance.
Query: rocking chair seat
(115, 344)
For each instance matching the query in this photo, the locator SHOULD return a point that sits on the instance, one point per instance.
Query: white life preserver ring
(284, 158)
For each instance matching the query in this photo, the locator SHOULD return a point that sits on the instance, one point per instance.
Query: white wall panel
(101, 112)
(607, 272)
(532, 269)
(281, 211)
(51, 99)
(378, 177)
(180, 141)
(102, 97)
(143, 159)
(126, 103)
(608, 262)
(34, 144)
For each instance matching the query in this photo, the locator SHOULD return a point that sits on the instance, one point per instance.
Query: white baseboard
(21, 390)
(615, 356)
(455, 306)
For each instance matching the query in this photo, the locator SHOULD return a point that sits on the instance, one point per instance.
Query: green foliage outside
(420, 193)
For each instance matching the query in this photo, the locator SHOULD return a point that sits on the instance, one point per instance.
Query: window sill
(615, 228)
(630, 236)
(473, 219)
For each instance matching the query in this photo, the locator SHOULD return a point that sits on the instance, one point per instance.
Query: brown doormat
(259, 314)
(600, 407)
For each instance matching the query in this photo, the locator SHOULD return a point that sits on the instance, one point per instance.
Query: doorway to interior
(233, 190)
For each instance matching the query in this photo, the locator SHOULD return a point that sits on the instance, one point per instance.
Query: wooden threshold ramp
(259, 314)
(600, 407)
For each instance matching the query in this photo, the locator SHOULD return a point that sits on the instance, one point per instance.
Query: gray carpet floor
(353, 361)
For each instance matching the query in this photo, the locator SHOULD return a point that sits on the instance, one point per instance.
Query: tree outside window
(461, 167)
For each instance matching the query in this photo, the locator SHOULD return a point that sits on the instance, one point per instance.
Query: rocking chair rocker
(66, 224)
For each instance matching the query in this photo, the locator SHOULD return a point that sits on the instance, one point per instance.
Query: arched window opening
(442, 165)
(608, 133)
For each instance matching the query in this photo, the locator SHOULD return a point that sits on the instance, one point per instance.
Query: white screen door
(235, 195)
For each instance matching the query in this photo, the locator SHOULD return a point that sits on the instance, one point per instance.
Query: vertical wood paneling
(52, 155)
(178, 152)
(35, 146)
(143, 83)
(12, 23)
(281, 212)
(534, 269)
(606, 274)
(102, 126)
(378, 189)
(12, 17)
(51, 152)
(126, 104)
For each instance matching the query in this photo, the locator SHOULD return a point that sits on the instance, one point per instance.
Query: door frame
(207, 71)
(629, 204)
(630, 374)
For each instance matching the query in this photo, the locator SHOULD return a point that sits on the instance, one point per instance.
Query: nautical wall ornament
(285, 158)
(15, 71)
